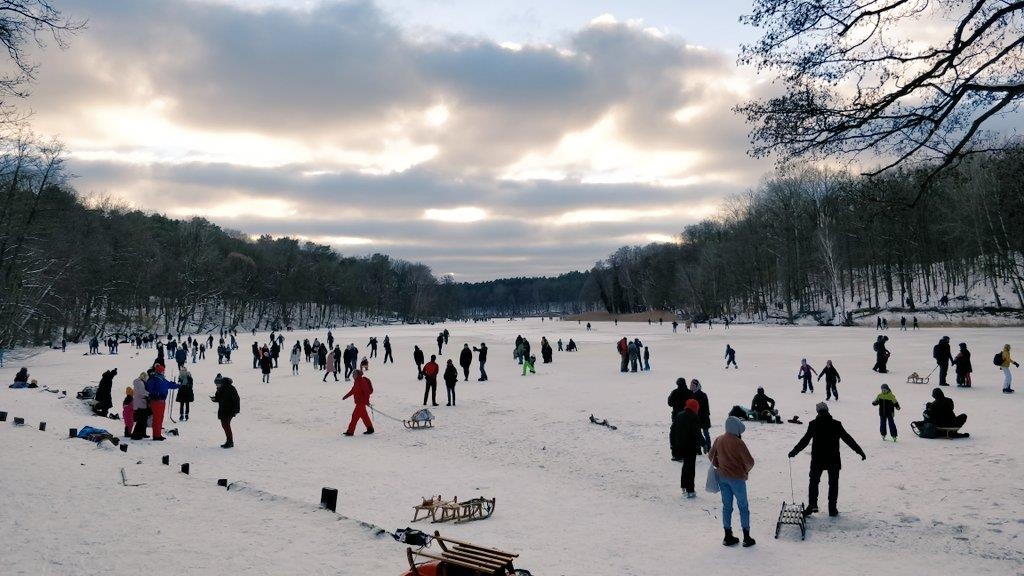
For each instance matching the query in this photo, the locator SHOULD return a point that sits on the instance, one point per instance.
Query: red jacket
(431, 369)
(361, 389)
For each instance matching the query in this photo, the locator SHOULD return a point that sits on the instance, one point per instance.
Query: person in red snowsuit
(361, 390)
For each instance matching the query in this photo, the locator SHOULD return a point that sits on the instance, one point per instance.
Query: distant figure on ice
(887, 407)
(451, 378)
(943, 356)
(622, 346)
(561, 348)
(881, 355)
(647, 358)
(128, 411)
(675, 326)
(903, 323)
(266, 365)
(730, 357)
(732, 462)
(373, 346)
(465, 360)
(545, 350)
(295, 358)
(804, 375)
(831, 378)
(440, 342)
(387, 350)
(686, 441)
(417, 357)
(571, 347)
(330, 366)
(825, 432)
(482, 359)
(878, 323)
(915, 323)
(430, 371)
(962, 364)
(361, 390)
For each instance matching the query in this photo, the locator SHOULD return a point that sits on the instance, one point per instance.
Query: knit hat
(692, 405)
(821, 407)
(159, 368)
(885, 388)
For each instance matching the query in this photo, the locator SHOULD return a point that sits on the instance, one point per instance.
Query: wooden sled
(427, 508)
(474, 509)
(916, 378)
(792, 514)
(418, 424)
(459, 558)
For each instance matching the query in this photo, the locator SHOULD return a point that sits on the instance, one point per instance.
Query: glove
(863, 456)
(792, 454)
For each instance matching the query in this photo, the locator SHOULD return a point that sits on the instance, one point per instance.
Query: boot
(729, 539)
(228, 444)
(370, 431)
(747, 540)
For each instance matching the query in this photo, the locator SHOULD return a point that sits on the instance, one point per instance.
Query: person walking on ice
(887, 407)
(730, 357)
(831, 379)
(732, 462)
(805, 375)
(825, 432)
(361, 390)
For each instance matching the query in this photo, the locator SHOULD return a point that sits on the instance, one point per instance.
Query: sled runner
(422, 418)
(459, 558)
(600, 422)
(930, 431)
(915, 378)
(792, 514)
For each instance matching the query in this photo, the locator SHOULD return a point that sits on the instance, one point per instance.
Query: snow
(572, 498)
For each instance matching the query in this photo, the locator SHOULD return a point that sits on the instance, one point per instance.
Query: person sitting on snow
(939, 412)
(20, 379)
(763, 406)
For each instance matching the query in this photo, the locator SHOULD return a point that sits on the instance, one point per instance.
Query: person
(440, 343)
(185, 395)
(675, 326)
(881, 355)
(361, 390)
(364, 364)
(942, 355)
(295, 358)
(482, 358)
(128, 411)
(878, 323)
(104, 399)
(622, 346)
(465, 360)
(763, 406)
(180, 357)
(825, 432)
(330, 366)
(350, 357)
(685, 440)
(430, 371)
(528, 365)
(417, 357)
(255, 355)
(1005, 367)
(266, 365)
(561, 347)
(704, 413)
(373, 346)
(647, 358)
(903, 323)
(730, 357)
(451, 378)
(732, 462)
(804, 374)
(588, 326)
(634, 355)
(546, 352)
(275, 349)
(831, 379)
(387, 350)
(678, 397)
(445, 334)
(962, 365)
(157, 387)
(571, 346)
(940, 412)
(228, 406)
(140, 407)
(887, 407)
(915, 323)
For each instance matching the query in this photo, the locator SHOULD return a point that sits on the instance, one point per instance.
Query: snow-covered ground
(572, 498)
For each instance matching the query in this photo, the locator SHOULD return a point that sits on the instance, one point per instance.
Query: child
(647, 358)
(128, 411)
(887, 406)
(528, 364)
(805, 375)
(364, 365)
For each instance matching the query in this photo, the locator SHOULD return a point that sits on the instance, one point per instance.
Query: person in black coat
(826, 433)
(417, 357)
(831, 378)
(103, 398)
(941, 413)
(545, 351)
(704, 413)
(942, 355)
(465, 360)
(678, 397)
(962, 362)
(451, 378)
(763, 406)
(228, 406)
(881, 355)
(686, 440)
(482, 358)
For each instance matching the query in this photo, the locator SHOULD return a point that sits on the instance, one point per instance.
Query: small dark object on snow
(3, 416)
(42, 426)
(222, 482)
(184, 468)
(166, 460)
(124, 447)
(794, 420)
(72, 432)
(19, 421)
(173, 431)
(329, 498)
(602, 422)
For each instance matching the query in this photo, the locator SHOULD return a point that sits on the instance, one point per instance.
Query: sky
(484, 139)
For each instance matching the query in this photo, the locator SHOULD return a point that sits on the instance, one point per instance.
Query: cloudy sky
(484, 139)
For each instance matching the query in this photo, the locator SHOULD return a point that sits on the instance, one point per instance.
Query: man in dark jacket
(678, 397)
(103, 397)
(826, 433)
(763, 406)
(417, 357)
(430, 371)
(941, 413)
(686, 440)
(228, 406)
(704, 413)
(482, 358)
(942, 355)
(465, 360)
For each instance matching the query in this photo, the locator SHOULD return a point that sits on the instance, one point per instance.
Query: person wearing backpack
(1004, 362)
(942, 355)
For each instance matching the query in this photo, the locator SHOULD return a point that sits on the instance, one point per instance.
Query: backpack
(998, 358)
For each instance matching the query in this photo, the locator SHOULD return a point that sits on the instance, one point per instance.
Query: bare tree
(859, 77)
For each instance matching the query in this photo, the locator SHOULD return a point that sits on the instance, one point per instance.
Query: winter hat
(695, 385)
(159, 368)
(885, 388)
(963, 345)
(680, 381)
(937, 393)
(734, 426)
(821, 407)
(692, 405)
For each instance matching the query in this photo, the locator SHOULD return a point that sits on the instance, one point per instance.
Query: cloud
(334, 123)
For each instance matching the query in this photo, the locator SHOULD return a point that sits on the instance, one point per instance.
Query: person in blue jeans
(733, 462)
